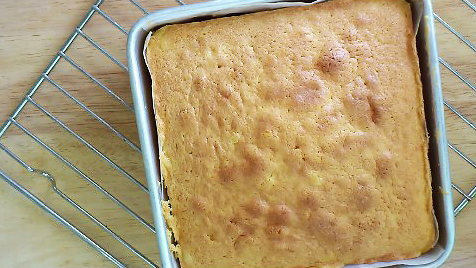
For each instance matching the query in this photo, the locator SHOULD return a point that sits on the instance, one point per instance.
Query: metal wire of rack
(466, 197)
(46, 78)
(29, 99)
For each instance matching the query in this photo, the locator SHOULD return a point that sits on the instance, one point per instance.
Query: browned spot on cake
(248, 228)
(251, 164)
(323, 225)
(333, 60)
(276, 232)
(330, 230)
(235, 124)
(185, 116)
(406, 194)
(221, 121)
(225, 91)
(266, 123)
(403, 194)
(308, 199)
(257, 207)
(237, 73)
(241, 225)
(212, 237)
(270, 62)
(362, 197)
(280, 215)
(241, 241)
(228, 173)
(362, 106)
(199, 83)
(302, 93)
(376, 109)
(232, 227)
(254, 164)
(198, 203)
(384, 165)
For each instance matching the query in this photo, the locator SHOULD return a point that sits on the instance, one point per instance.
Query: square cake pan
(433, 102)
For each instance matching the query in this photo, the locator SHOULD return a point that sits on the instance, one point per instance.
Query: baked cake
(294, 137)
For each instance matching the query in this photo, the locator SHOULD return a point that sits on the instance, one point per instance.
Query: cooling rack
(89, 123)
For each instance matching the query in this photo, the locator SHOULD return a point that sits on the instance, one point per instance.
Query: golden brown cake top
(295, 137)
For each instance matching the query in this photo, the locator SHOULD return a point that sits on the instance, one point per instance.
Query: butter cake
(294, 137)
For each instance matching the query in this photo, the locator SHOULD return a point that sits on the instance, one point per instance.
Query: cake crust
(294, 137)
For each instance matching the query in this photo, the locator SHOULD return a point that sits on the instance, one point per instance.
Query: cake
(294, 137)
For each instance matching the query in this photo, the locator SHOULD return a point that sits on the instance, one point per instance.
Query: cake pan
(433, 101)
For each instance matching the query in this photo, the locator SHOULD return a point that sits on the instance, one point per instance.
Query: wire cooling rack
(65, 79)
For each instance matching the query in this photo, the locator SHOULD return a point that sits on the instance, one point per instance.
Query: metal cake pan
(427, 51)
